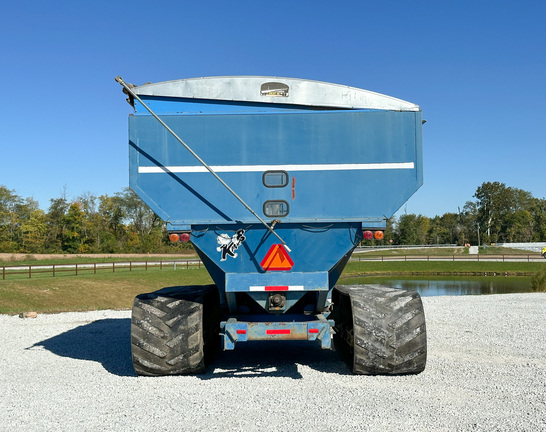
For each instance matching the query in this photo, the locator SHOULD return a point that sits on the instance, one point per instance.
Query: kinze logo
(228, 245)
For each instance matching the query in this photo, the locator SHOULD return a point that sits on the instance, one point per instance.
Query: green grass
(538, 282)
(90, 291)
(108, 290)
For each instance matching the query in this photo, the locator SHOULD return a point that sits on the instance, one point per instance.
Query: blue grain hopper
(319, 163)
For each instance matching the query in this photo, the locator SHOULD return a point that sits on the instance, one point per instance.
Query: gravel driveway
(486, 370)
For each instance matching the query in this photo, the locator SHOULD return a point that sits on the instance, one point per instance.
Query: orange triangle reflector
(277, 259)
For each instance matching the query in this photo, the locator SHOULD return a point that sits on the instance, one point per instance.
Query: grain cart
(274, 181)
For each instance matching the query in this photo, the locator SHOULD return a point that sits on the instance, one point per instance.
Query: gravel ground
(486, 370)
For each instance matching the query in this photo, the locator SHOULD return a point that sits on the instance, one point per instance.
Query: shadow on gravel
(274, 359)
(106, 341)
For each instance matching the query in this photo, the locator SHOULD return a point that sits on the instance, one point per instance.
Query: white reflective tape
(261, 168)
(271, 288)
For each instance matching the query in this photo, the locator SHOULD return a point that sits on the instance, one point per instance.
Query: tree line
(122, 223)
(498, 214)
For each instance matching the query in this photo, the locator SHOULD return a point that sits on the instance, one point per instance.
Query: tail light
(182, 237)
(368, 235)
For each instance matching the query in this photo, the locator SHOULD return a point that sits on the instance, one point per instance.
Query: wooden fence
(28, 271)
(77, 269)
(481, 258)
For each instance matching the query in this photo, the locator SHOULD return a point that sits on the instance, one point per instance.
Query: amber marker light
(378, 235)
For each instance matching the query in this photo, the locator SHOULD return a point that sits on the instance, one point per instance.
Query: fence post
(53, 270)
(160, 264)
(94, 268)
(130, 265)
(146, 265)
(29, 271)
(113, 267)
(76, 269)
(3, 272)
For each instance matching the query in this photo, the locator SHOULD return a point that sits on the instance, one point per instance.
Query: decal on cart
(274, 89)
(228, 245)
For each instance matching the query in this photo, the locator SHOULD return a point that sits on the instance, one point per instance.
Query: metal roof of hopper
(277, 90)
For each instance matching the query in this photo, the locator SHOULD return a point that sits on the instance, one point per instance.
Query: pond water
(445, 285)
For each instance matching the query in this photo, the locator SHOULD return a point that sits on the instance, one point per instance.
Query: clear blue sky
(476, 68)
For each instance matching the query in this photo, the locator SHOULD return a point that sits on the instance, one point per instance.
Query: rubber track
(170, 330)
(382, 329)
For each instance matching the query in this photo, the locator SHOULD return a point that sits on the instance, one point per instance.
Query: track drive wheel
(379, 330)
(175, 331)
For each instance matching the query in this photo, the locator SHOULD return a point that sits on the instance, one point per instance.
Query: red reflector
(368, 235)
(184, 237)
(313, 330)
(241, 331)
(280, 331)
(276, 288)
